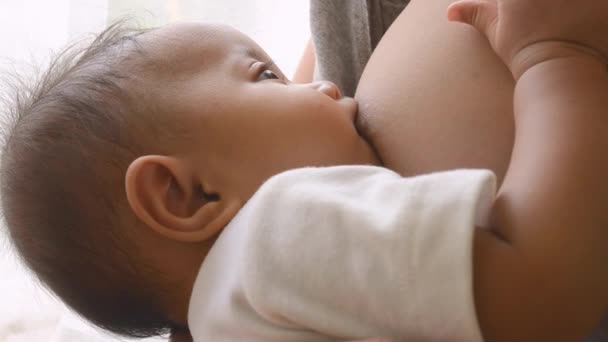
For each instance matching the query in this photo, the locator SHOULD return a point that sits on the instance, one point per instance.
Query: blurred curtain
(30, 29)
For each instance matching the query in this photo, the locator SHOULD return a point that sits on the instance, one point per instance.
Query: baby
(163, 180)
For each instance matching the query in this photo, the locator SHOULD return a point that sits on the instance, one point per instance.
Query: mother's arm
(306, 67)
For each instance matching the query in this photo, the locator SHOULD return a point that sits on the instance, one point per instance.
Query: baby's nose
(328, 88)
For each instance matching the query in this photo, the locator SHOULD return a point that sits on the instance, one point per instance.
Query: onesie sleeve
(355, 252)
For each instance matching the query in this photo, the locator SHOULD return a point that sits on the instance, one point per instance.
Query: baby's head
(124, 164)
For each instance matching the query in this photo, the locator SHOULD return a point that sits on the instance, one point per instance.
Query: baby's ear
(168, 196)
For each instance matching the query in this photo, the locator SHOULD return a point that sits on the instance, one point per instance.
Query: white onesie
(348, 252)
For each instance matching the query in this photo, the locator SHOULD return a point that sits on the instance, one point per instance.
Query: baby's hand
(528, 32)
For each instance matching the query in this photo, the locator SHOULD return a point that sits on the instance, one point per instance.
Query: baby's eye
(267, 75)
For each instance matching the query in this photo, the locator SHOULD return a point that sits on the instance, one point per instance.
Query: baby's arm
(541, 276)
(347, 253)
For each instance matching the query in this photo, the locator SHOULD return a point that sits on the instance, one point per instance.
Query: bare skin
(437, 98)
(449, 105)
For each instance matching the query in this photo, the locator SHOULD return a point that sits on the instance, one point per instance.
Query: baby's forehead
(188, 46)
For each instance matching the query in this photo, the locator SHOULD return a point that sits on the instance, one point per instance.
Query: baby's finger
(481, 14)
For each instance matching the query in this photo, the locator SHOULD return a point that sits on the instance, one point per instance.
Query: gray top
(345, 32)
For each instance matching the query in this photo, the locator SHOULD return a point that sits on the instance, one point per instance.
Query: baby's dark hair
(67, 147)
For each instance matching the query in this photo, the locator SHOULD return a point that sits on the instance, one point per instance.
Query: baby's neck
(179, 264)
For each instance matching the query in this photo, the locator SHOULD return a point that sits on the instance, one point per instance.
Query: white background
(30, 30)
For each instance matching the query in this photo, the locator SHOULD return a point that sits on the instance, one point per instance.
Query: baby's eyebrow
(253, 53)
(258, 55)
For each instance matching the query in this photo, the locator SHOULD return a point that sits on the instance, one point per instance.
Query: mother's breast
(435, 97)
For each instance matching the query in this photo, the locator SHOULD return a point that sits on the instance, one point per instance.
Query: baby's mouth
(350, 106)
